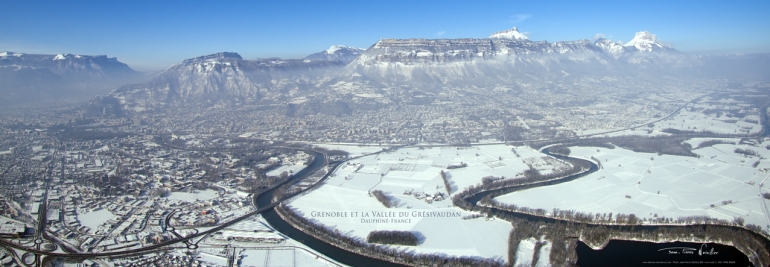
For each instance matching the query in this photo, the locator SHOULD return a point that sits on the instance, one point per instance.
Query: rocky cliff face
(505, 56)
(406, 71)
(408, 51)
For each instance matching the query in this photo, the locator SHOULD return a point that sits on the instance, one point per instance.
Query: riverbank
(587, 233)
(754, 244)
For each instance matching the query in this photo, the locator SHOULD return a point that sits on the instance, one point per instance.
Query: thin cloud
(598, 36)
(440, 33)
(519, 18)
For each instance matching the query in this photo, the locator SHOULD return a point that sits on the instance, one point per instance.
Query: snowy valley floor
(647, 185)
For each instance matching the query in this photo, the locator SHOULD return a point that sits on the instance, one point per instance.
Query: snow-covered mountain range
(505, 58)
(227, 76)
(69, 66)
(30, 77)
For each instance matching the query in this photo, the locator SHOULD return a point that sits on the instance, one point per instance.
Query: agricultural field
(721, 183)
(411, 180)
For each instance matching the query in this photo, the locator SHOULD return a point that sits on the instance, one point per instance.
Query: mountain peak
(513, 34)
(613, 48)
(219, 55)
(10, 54)
(337, 52)
(646, 41)
(65, 56)
(335, 48)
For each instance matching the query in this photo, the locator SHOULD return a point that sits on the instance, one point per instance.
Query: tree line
(446, 183)
(560, 232)
(382, 198)
(532, 178)
(392, 237)
(670, 145)
(747, 152)
(598, 228)
(560, 150)
(393, 254)
(713, 142)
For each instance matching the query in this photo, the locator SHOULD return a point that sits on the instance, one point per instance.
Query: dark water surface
(633, 253)
(616, 253)
(338, 254)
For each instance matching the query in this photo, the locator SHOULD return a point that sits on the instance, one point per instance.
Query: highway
(4, 242)
(315, 167)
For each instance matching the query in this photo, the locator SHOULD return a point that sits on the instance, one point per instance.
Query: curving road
(310, 170)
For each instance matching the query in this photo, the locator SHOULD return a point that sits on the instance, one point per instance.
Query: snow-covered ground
(695, 142)
(95, 218)
(286, 168)
(207, 194)
(697, 120)
(707, 114)
(280, 257)
(671, 186)
(525, 252)
(545, 252)
(251, 253)
(212, 259)
(8, 225)
(417, 170)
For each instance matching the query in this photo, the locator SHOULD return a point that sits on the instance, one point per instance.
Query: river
(633, 253)
(622, 252)
(338, 254)
(616, 253)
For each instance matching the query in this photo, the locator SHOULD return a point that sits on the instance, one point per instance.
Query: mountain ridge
(321, 82)
(223, 75)
(31, 77)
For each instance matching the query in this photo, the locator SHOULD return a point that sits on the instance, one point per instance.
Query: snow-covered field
(647, 185)
(525, 252)
(417, 170)
(280, 257)
(285, 168)
(704, 115)
(687, 120)
(545, 253)
(207, 194)
(95, 218)
(212, 259)
(252, 253)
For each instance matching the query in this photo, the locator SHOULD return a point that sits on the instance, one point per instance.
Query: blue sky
(152, 35)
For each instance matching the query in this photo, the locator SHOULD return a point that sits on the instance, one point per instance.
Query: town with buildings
(100, 185)
(516, 134)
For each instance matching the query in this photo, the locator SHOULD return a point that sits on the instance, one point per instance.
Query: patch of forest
(392, 237)
(388, 253)
(670, 145)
